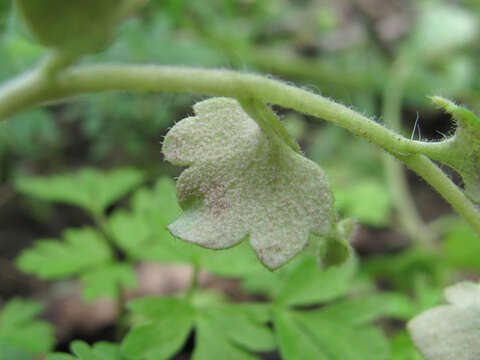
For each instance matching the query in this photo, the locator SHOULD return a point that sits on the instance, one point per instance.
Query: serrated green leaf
(19, 328)
(292, 341)
(240, 182)
(83, 351)
(80, 250)
(362, 310)
(450, 332)
(212, 344)
(311, 335)
(309, 284)
(106, 280)
(248, 330)
(222, 331)
(164, 328)
(89, 188)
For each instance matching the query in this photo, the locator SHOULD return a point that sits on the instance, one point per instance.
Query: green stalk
(36, 87)
(409, 217)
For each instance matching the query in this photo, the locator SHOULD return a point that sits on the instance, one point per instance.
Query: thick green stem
(424, 167)
(35, 88)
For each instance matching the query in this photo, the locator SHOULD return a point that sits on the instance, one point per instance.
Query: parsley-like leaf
(82, 351)
(20, 330)
(88, 188)
(53, 259)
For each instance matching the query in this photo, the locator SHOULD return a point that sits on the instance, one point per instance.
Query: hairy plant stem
(268, 121)
(409, 217)
(36, 87)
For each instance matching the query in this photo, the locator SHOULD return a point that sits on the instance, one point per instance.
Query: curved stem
(442, 183)
(409, 217)
(268, 121)
(35, 88)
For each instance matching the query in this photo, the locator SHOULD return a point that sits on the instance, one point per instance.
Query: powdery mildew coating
(241, 183)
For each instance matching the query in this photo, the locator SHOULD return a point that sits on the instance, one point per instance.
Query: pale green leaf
(450, 332)
(142, 234)
(80, 250)
(90, 189)
(20, 330)
(240, 182)
(105, 280)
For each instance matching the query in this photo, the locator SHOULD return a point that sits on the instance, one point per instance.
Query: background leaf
(88, 188)
(80, 250)
(20, 330)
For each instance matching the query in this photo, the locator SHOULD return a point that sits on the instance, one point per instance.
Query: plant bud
(74, 26)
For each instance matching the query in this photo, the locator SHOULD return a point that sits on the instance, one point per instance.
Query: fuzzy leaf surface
(242, 183)
(450, 332)
(142, 234)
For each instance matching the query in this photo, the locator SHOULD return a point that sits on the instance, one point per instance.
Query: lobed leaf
(450, 332)
(311, 335)
(21, 332)
(83, 351)
(242, 183)
(88, 188)
(142, 235)
(106, 279)
(222, 331)
(81, 250)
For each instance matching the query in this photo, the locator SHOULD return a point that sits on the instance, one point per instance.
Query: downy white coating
(240, 183)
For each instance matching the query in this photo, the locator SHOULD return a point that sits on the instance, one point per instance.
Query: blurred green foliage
(323, 46)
